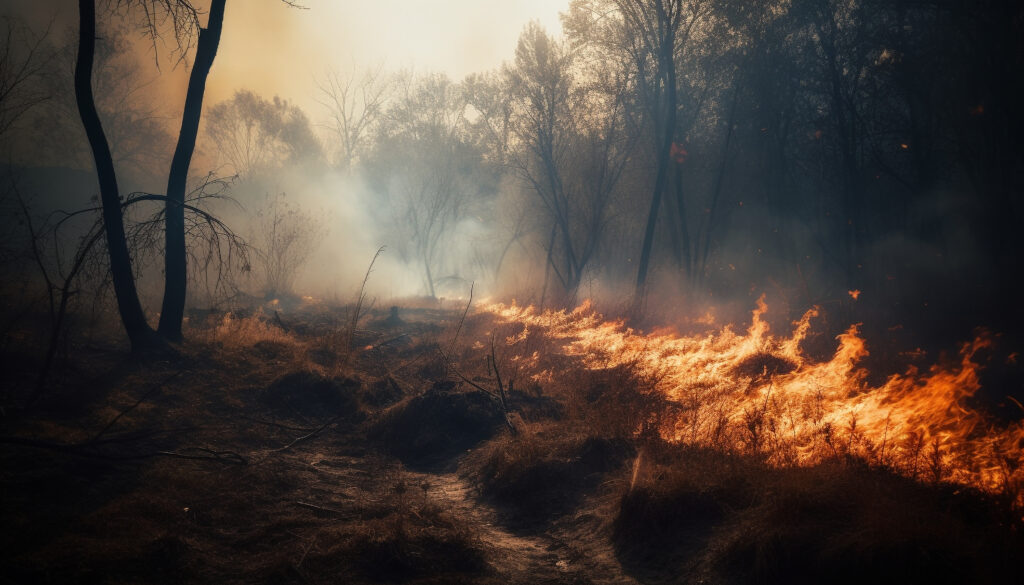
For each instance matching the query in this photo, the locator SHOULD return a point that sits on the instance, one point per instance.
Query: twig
(350, 332)
(499, 396)
(388, 342)
(451, 346)
(133, 406)
(278, 425)
(219, 456)
(319, 509)
(308, 436)
(451, 368)
(280, 323)
(493, 364)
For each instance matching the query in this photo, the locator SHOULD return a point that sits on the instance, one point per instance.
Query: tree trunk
(668, 126)
(175, 262)
(716, 190)
(139, 332)
(684, 229)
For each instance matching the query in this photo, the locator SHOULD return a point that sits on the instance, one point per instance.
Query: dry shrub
(308, 395)
(738, 519)
(235, 331)
(428, 430)
(536, 477)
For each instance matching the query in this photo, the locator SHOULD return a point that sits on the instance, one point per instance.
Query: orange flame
(758, 392)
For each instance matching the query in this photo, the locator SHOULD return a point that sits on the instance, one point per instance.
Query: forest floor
(286, 447)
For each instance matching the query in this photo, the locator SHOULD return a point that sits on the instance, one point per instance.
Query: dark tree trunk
(175, 263)
(668, 126)
(139, 332)
(716, 189)
(684, 229)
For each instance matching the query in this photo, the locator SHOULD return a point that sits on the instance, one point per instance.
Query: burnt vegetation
(243, 342)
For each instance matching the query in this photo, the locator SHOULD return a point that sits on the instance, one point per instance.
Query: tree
(428, 171)
(183, 17)
(355, 105)
(256, 134)
(23, 56)
(175, 256)
(287, 236)
(139, 332)
(571, 143)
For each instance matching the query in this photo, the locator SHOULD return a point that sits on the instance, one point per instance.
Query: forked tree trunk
(175, 262)
(139, 332)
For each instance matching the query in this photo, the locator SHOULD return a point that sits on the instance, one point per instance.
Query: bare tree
(427, 169)
(256, 134)
(355, 103)
(572, 143)
(134, 320)
(23, 56)
(175, 255)
(286, 235)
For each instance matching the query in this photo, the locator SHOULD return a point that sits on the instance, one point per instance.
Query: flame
(757, 392)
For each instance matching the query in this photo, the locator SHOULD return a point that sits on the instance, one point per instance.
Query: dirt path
(522, 558)
(570, 551)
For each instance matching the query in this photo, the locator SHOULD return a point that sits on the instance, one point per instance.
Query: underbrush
(234, 330)
(736, 520)
(414, 543)
(428, 430)
(536, 476)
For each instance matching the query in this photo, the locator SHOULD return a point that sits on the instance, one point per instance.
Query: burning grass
(757, 393)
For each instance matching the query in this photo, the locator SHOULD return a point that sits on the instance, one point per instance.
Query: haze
(273, 49)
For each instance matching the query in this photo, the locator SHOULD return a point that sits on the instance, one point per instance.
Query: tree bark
(175, 258)
(134, 319)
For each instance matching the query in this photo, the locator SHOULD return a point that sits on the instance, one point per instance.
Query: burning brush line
(757, 392)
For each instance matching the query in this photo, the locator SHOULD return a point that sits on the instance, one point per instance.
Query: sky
(274, 49)
(271, 48)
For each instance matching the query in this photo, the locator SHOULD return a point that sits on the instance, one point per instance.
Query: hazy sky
(274, 49)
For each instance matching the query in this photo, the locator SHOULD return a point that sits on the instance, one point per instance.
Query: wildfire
(757, 392)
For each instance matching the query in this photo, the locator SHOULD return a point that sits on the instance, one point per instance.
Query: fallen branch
(319, 510)
(387, 342)
(133, 406)
(308, 436)
(219, 456)
(278, 425)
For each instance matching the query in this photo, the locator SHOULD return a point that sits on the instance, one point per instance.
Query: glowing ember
(756, 392)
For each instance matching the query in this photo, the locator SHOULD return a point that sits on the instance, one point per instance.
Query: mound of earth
(429, 430)
(308, 395)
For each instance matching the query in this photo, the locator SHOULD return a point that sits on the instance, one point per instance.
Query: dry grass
(232, 330)
(735, 519)
(544, 471)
